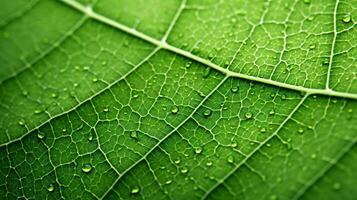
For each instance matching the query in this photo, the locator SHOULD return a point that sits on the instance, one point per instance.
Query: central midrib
(87, 10)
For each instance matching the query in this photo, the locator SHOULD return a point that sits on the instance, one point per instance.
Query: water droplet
(54, 95)
(50, 187)
(310, 18)
(346, 18)
(272, 112)
(184, 170)
(207, 113)
(273, 197)
(230, 159)
(336, 186)
(64, 130)
(263, 130)
(75, 84)
(40, 135)
(268, 145)
(105, 109)
(234, 89)
(25, 93)
(85, 68)
(283, 97)
(312, 46)
(135, 189)
(94, 80)
(307, 1)
(87, 167)
(188, 64)
(174, 109)
(21, 123)
(248, 115)
(233, 20)
(134, 134)
(135, 96)
(207, 72)
(37, 111)
(350, 110)
(313, 156)
(177, 161)
(234, 145)
(168, 182)
(90, 138)
(209, 163)
(325, 62)
(301, 130)
(198, 150)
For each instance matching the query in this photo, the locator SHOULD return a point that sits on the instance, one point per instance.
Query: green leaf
(191, 99)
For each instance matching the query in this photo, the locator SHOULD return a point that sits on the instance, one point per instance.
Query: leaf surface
(186, 99)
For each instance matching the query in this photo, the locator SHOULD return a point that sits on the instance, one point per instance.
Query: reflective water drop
(336, 186)
(307, 1)
(283, 97)
(230, 159)
(21, 122)
(184, 170)
(346, 18)
(90, 138)
(177, 161)
(248, 115)
(87, 167)
(134, 134)
(272, 112)
(105, 109)
(268, 145)
(50, 187)
(54, 95)
(310, 18)
(301, 130)
(168, 182)
(234, 145)
(207, 72)
(313, 156)
(263, 130)
(234, 89)
(188, 64)
(37, 111)
(209, 163)
(94, 80)
(64, 130)
(207, 113)
(135, 189)
(40, 135)
(174, 109)
(85, 68)
(273, 197)
(312, 46)
(198, 150)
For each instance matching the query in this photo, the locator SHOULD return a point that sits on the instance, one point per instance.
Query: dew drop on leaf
(198, 150)
(41, 135)
(184, 170)
(301, 130)
(336, 186)
(248, 115)
(263, 130)
(346, 18)
(234, 89)
(105, 109)
(207, 113)
(50, 187)
(135, 189)
(87, 168)
(307, 1)
(174, 109)
(177, 161)
(168, 182)
(207, 72)
(134, 135)
(230, 159)
(209, 163)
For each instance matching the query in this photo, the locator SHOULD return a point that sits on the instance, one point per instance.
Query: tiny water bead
(134, 135)
(37, 111)
(307, 1)
(346, 18)
(50, 187)
(230, 159)
(301, 130)
(336, 186)
(135, 189)
(234, 89)
(263, 130)
(248, 115)
(41, 135)
(21, 123)
(207, 72)
(177, 161)
(209, 163)
(198, 150)
(174, 109)
(184, 170)
(105, 109)
(207, 113)
(87, 168)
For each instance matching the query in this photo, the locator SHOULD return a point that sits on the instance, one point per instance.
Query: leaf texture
(191, 99)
